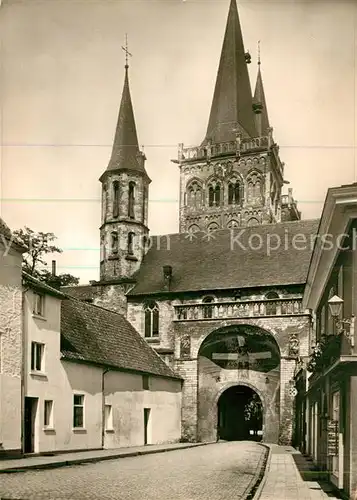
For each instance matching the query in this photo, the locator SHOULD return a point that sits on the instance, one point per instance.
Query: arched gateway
(240, 414)
(239, 385)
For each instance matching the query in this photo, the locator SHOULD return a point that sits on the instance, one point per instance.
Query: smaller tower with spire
(124, 231)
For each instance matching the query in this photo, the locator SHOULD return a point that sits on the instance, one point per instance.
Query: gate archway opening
(240, 414)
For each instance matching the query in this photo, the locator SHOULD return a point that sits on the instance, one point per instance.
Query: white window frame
(38, 304)
(49, 424)
(78, 405)
(34, 354)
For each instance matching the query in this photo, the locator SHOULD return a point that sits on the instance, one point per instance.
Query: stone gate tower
(124, 230)
(235, 177)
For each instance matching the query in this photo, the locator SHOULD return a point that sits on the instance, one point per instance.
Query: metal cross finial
(259, 52)
(127, 53)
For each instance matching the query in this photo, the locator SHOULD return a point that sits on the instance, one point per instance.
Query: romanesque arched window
(271, 307)
(212, 227)
(208, 307)
(214, 194)
(131, 199)
(114, 242)
(115, 199)
(232, 223)
(194, 195)
(234, 192)
(151, 312)
(131, 236)
(252, 222)
(194, 228)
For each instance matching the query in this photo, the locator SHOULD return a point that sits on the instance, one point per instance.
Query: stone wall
(10, 350)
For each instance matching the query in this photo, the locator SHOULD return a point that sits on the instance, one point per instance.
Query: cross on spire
(259, 52)
(127, 53)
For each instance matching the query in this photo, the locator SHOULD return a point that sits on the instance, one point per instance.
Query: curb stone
(264, 475)
(78, 461)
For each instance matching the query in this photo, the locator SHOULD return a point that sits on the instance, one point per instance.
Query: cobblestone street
(219, 471)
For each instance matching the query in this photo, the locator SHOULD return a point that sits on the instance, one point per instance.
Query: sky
(62, 72)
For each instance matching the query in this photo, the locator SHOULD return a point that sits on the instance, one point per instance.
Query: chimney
(167, 276)
(54, 281)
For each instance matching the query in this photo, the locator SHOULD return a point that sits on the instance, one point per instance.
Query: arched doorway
(239, 414)
(241, 356)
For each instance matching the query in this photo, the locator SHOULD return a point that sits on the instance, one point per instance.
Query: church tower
(124, 231)
(235, 177)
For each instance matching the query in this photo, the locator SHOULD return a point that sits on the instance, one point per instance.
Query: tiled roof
(229, 259)
(81, 292)
(41, 286)
(96, 335)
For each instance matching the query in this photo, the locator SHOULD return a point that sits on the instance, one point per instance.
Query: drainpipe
(103, 405)
(23, 359)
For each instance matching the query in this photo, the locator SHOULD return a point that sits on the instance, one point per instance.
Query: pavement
(82, 457)
(219, 471)
(289, 476)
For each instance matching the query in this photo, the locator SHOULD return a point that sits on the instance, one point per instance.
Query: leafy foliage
(39, 245)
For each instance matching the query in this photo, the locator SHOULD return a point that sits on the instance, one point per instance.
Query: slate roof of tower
(262, 123)
(232, 100)
(95, 335)
(125, 152)
(217, 261)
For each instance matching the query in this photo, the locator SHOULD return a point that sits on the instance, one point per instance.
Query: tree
(253, 412)
(39, 245)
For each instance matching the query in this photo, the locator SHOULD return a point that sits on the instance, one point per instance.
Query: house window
(271, 307)
(38, 304)
(78, 410)
(131, 200)
(131, 243)
(108, 415)
(151, 319)
(48, 417)
(146, 382)
(208, 307)
(37, 351)
(115, 199)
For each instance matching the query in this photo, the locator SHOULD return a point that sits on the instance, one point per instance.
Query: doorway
(30, 419)
(147, 422)
(240, 415)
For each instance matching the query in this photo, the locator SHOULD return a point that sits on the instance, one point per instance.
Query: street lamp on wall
(335, 305)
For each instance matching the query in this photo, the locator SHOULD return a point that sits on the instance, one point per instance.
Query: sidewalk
(289, 476)
(75, 458)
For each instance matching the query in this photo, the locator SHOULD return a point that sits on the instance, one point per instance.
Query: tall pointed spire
(259, 103)
(231, 110)
(125, 152)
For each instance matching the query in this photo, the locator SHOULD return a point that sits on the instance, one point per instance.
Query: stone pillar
(287, 396)
(188, 371)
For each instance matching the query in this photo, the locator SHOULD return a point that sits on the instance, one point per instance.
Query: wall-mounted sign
(332, 437)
